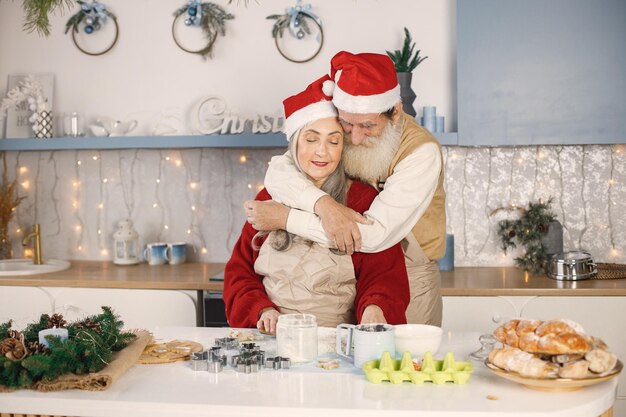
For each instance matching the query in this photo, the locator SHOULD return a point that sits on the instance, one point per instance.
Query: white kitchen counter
(175, 390)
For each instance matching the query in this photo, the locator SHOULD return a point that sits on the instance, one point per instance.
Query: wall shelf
(270, 140)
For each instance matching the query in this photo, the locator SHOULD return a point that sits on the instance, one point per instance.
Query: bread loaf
(524, 363)
(554, 337)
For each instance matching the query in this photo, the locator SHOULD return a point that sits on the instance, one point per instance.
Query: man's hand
(266, 215)
(340, 224)
(373, 314)
(267, 321)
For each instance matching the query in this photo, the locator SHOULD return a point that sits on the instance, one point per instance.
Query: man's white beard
(370, 160)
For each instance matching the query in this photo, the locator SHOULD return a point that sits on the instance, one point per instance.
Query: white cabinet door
(137, 308)
(24, 305)
(600, 316)
(476, 314)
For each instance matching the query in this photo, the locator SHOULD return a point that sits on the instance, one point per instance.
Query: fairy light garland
(502, 174)
(80, 226)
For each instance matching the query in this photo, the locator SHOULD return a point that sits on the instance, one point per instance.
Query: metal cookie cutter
(199, 360)
(277, 362)
(227, 342)
(214, 366)
(216, 355)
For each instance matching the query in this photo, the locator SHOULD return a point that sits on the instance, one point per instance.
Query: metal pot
(571, 266)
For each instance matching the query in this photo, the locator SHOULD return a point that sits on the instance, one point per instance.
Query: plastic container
(296, 337)
(436, 371)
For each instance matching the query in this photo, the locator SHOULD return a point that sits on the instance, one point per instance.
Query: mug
(366, 342)
(176, 253)
(155, 253)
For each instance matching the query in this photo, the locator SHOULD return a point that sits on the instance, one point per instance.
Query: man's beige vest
(430, 230)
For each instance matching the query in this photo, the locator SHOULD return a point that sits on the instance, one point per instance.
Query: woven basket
(610, 271)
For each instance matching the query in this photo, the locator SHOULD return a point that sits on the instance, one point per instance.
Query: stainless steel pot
(571, 266)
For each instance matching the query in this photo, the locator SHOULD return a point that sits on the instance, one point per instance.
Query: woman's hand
(373, 314)
(266, 215)
(267, 320)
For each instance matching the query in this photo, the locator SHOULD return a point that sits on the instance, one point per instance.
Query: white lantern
(126, 244)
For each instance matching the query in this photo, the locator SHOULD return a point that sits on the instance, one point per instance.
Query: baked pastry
(524, 363)
(553, 337)
(575, 370)
(176, 350)
(601, 361)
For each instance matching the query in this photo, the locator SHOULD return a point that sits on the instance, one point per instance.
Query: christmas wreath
(209, 16)
(528, 230)
(89, 348)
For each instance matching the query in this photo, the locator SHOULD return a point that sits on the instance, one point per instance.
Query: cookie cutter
(278, 362)
(199, 360)
(227, 342)
(216, 355)
(250, 358)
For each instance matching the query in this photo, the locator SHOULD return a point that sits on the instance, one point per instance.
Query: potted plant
(405, 61)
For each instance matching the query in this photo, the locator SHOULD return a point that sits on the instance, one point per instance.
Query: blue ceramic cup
(176, 253)
(155, 253)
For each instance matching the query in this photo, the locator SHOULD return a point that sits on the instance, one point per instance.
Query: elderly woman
(273, 273)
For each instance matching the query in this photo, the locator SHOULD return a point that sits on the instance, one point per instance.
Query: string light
(25, 184)
(95, 157)
(243, 159)
(23, 170)
(166, 227)
(155, 205)
(193, 208)
(249, 186)
(204, 250)
(193, 185)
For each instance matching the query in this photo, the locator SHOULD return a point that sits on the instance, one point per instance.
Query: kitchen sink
(26, 267)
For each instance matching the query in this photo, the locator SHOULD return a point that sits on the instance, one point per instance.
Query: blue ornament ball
(88, 29)
(192, 11)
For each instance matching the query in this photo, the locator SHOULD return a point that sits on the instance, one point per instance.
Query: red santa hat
(308, 106)
(364, 83)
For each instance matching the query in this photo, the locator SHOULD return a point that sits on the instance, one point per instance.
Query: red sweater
(381, 277)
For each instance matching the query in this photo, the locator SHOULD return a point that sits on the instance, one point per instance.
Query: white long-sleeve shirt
(404, 198)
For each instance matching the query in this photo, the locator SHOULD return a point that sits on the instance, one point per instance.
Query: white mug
(366, 342)
(155, 253)
(176, 253)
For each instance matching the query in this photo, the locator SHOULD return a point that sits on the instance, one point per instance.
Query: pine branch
(37, 14)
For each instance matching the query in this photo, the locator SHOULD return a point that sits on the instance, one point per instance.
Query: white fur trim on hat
(310, 113)
(328, 87)
(376, 103)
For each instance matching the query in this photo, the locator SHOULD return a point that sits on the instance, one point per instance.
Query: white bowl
(417, 339)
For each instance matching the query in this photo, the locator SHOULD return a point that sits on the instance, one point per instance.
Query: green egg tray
(435, 371)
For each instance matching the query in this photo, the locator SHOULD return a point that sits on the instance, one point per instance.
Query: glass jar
(296, 337)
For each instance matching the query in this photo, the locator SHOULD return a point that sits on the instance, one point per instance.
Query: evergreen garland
(38, 12)
(529, 231)
(89, 348)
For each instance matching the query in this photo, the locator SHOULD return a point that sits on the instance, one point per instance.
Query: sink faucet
(36, 236)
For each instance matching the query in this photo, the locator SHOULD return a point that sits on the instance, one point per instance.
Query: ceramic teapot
(117, 127)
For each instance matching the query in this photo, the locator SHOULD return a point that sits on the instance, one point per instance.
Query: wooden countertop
(105, 274)
(462, 281)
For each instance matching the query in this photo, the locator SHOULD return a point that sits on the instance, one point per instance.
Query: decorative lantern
(126, 244)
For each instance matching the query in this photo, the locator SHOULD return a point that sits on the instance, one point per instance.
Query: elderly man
(387, 149)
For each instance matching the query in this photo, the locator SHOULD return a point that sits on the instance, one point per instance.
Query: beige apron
(308, 278)
(426, 305)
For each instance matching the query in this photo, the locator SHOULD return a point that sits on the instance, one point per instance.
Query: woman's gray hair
(336, 186)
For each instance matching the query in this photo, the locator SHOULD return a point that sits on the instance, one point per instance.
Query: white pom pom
(328, 87)
(31, 100)
(32, 107)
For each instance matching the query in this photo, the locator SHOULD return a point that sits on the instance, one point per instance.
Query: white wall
(146, 74)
